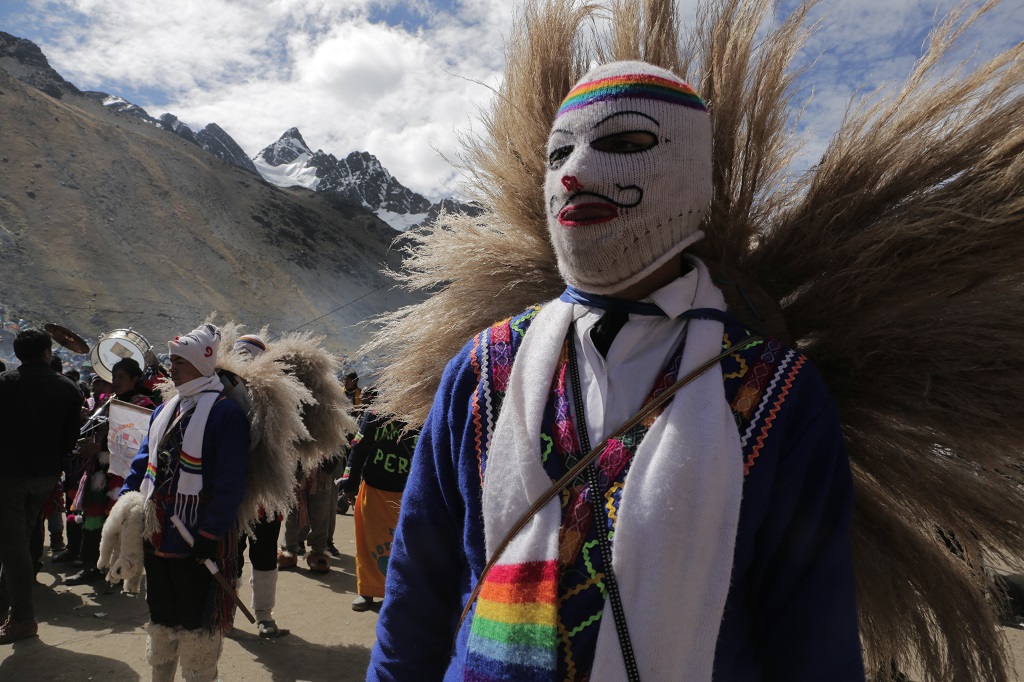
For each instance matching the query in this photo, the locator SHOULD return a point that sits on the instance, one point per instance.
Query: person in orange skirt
(378, 469)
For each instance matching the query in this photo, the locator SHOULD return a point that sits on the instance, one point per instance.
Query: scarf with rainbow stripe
(201, 394)
(515, 625)
(521, 594)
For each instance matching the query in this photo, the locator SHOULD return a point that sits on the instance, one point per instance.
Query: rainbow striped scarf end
(514, 629)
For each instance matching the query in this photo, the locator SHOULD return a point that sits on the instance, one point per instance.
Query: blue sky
(401, 79)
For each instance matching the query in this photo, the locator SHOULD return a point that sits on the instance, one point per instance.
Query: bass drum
(117, 345)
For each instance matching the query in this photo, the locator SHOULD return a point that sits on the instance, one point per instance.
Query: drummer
(114, 346)
(126, 380)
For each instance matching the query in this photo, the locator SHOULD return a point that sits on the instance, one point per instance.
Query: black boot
(85, 576)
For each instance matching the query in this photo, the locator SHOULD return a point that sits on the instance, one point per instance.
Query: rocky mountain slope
(108, 221)
(25, 61)
(212, 138)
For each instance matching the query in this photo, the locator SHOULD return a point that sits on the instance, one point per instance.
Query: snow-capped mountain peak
(287, 149)
(359, 177)
(285, 163)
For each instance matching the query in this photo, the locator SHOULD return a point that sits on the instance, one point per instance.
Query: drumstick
(212, 568)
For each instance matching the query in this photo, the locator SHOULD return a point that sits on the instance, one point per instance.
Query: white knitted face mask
(629, 175)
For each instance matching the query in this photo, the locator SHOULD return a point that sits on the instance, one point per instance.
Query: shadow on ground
(98, 606)
(293, 658)
(341, 578)
(32, 659)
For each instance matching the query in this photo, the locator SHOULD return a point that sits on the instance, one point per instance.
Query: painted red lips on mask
(591, 213)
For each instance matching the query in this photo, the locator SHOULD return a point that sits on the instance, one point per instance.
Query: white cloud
(360, 62)
(259, 67)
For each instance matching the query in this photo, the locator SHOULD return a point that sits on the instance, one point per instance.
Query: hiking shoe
(318, 562)
(268, 629)
(85, 576)
(362, 603)
(332, 550)
(12, 630)
(65, 556)
(286, 559)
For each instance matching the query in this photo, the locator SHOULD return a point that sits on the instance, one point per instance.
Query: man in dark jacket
(39, 415)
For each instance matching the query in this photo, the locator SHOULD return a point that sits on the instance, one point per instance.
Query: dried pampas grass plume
(328, 418)
(908, 294)
(278, 399)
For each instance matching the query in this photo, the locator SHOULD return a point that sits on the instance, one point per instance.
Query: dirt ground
(93, 632)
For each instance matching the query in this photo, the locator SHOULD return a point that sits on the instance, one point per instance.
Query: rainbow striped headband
(631, 86)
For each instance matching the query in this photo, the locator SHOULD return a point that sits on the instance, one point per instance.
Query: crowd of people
(190, 469)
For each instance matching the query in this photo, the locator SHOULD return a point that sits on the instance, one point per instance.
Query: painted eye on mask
(628, 142)
(558, 156)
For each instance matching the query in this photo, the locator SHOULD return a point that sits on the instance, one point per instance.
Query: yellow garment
(376, 516)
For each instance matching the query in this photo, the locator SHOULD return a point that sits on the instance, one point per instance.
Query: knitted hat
(629, 175)
(251, 345)
(198, 347)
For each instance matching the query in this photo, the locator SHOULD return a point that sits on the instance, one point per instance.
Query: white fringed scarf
(677, 521)
(201, 393)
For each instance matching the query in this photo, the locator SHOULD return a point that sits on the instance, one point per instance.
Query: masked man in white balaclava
(191, 465)
(708, 540)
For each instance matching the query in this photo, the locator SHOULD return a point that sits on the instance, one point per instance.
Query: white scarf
(677, 521)
(201, 393)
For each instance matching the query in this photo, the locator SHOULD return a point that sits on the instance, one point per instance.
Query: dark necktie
(604, 330)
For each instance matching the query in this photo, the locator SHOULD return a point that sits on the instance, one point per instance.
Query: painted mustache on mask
(594, 212)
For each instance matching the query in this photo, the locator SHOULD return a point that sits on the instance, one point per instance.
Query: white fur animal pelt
(121, 543)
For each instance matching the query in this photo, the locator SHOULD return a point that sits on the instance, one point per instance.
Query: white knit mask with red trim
(629, 175)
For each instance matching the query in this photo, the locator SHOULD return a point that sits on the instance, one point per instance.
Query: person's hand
(350, 499)
(203, 548)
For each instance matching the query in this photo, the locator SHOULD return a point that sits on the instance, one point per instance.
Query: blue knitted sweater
(791, 611)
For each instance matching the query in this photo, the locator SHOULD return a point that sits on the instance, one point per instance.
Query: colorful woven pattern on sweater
(513, 633)
(757, 381)
(631, 86)
(581, 587)
(493, 351)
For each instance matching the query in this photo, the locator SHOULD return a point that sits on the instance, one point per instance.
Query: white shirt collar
(676, 297)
